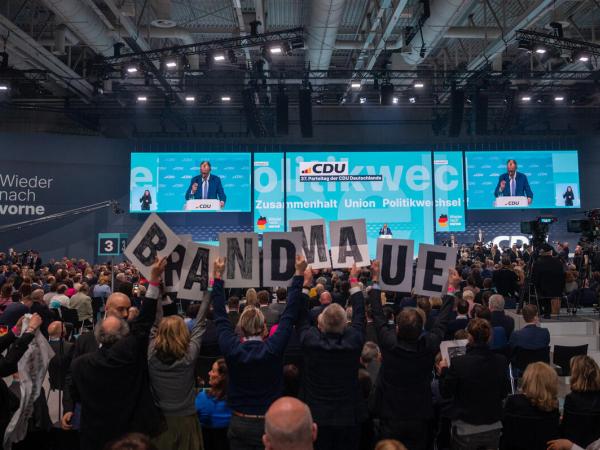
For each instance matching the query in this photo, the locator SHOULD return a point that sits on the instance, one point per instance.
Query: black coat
(112, 386)
(506, 282)
(331, 362)
(548, 276)
(526, 427)
(477, 382)
(8, 366)
(581, 417)
(500, 319)
(403, 387)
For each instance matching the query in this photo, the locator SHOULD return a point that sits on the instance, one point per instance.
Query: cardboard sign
(435, 262)
(349, 243)
(154, 239)
(196, 271)
(395, 257)
(242, 268)
(314, 242)
(174, 264)
(279, 258)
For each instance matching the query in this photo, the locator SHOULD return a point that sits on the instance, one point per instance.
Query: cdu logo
(325, 168)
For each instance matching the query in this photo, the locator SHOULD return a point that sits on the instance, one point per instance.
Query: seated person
(531, 336)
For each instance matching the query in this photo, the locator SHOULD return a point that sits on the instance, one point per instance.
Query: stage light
(559, 98)
(132, 69)
(190, 99)
(225, 98)
(219, 57)
(355, 85)
(171, 64)
(4, 87)
(525, 98)
(412, 99)
(142, 98)
(275, 50)
(582, 56)
(419, 84)
(363, 100)
(395, 100)
(540, 50)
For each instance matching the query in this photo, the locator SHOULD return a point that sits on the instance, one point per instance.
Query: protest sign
(349, 243)
(242, 265)
(435, 261)
(279, 258)
(395, 258)
(314, 242)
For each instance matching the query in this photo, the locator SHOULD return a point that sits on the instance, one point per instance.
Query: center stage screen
(522, 179)
(190, 182)
(392, 188)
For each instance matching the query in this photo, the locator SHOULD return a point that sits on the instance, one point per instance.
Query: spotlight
(225, 98)
(363, 100)
(142, 99)
(131, 69)
(582, 56)
(171, 64)
(419, 84)
(219, 57)
(525, 98)
(190, 99)
(3, 87)
(412, 99)
(276, 50)
(395, 100)
(540, 50)
(559, 98)
(355, 85)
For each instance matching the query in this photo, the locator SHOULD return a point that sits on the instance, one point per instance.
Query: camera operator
(548, 277)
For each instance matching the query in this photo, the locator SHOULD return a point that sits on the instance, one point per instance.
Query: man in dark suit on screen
(206, 186)
(513, 183)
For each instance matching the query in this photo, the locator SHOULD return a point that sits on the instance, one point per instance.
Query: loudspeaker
(457, 106)
(253, 118)
(305, 111)
(480, 112)
(282, 113)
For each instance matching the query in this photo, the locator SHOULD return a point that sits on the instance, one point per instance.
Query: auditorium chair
(580, 428)
(527, 432)
(521, 358)
(71, 320)
(562, 357)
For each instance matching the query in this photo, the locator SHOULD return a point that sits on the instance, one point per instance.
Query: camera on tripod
(589, 230)
(538, 229)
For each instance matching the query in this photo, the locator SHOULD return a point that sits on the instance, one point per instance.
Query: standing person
(206, 186)
(289, 426)
(83, 304)
(212, 408)
(146, 200)
(548, 276)
(569, 196)
(513, 183)
(506, 281)
(255, 364)
(112, 384)
(402, 397)
(172, 355)
(332, 352)
(385, 230)
(477, 383)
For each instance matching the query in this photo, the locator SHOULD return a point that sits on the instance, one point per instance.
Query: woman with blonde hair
(535, 409)
(172, 355)
(251, 297)
(582, 404)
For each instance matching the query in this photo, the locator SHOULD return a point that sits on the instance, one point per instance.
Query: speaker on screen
(253, 118)
(305, 111)
(480, 112)
(457, 105)
(282, 112)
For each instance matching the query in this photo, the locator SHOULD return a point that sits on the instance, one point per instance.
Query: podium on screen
(202, 205)
(511, 202)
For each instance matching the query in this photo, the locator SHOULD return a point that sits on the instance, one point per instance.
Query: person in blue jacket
(513, 183)
(206, 186)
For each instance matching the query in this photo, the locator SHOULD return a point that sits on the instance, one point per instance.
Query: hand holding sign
(219, 267)
(301, 265)
(375, 271)
(157, 269)
(308, 277)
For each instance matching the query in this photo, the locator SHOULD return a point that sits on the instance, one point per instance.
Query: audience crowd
(331, 362)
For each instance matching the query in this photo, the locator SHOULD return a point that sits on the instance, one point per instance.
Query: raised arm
(357, 300)
(142, 324)
(277, 343)
(303, 321)
(386, 336)
(8, 364)
(228, 340)
(199, 327)
(438, 330)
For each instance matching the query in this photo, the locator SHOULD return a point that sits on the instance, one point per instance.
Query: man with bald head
(111, 384)
(63, 354)
(289, 426)
(325, 300)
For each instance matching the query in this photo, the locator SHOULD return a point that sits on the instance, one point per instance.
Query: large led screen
(384, 188)
(522, 179)
(190, 182)
(269, 207)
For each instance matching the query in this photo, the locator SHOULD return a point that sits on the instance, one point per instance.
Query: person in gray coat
(172, 355)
